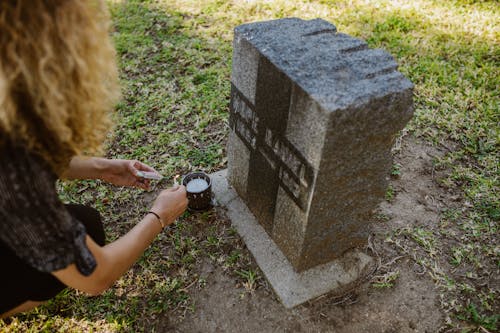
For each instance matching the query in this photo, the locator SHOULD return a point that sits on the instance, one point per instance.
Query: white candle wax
(197, 185)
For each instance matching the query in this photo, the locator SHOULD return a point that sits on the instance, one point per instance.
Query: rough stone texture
(313, 116)
(239, 155)
(292, 288)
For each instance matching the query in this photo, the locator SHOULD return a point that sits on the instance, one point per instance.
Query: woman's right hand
(115, 258)
(170, 204)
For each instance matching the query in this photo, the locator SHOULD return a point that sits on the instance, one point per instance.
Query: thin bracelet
(158, 217)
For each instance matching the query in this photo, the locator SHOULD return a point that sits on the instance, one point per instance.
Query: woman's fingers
(143, 167)
(135, 167)
(142, 183)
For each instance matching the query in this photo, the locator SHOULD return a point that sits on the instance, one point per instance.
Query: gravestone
(313, 116)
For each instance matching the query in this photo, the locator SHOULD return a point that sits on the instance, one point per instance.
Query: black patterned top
(34, 223)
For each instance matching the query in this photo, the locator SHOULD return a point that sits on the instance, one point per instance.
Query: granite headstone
(313, 116)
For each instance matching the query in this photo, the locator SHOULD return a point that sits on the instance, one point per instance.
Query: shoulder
(34, 223)
(18, 162)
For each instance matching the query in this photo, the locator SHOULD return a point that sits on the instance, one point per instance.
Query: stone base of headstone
(292, 288)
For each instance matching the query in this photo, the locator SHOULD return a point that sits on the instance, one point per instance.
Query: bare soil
(411, 305)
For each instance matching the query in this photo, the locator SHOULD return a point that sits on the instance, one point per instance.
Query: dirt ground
(411, 305)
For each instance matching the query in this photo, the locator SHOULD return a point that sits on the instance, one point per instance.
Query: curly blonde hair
(58, 77)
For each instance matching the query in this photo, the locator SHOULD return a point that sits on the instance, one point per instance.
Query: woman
(58, 83)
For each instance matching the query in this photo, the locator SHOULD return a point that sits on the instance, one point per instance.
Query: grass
(175, 60)
(385, 281)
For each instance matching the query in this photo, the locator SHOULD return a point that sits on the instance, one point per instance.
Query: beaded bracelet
(158, 217)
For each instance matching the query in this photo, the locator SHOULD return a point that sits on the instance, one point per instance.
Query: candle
(197, 185)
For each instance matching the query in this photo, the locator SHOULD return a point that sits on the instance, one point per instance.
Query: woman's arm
(114, 259)
(114, 171)
(82, 167)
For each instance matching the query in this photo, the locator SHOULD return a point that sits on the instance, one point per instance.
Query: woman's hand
(170, 204)
(124, 173)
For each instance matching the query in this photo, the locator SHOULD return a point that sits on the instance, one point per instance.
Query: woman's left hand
(124, 173)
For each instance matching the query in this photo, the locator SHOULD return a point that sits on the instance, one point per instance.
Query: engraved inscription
(282, 149)
(270, 158)
(295, 173)
(241, 108)
(245, 133)
(243, 121)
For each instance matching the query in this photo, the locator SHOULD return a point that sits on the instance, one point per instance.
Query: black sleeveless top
(34, 223)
